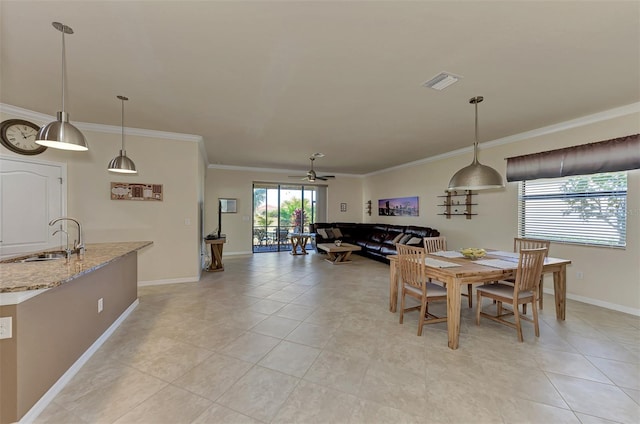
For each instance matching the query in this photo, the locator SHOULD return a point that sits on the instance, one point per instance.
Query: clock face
(20, 137)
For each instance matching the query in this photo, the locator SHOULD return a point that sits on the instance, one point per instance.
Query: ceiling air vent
(441, 81)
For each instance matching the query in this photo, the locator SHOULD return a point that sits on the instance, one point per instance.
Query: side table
(216, 254)
(299, 240)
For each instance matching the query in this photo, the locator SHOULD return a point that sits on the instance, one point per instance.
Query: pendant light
(475, 176)
(121, 163)
(60, 134)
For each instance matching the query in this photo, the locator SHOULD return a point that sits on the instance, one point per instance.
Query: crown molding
(562, 126)
(42, 119)
(272, 170)
(110, 129)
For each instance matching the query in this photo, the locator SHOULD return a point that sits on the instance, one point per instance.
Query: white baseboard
(169, 281)
(237, 254)
(46, 399)
(596, 302)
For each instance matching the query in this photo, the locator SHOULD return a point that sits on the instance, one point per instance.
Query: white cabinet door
(31, 194)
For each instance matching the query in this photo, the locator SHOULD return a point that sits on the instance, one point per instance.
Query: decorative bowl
(473, 253)
(338, 242)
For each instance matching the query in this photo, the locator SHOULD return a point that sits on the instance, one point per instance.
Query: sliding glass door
(279, 209)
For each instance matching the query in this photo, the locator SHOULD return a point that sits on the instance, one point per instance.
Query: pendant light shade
(476, 176)
(60, 134)
(121, 163)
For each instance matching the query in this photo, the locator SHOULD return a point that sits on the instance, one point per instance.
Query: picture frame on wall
(228, 205)
(398, 206)
(136, 191)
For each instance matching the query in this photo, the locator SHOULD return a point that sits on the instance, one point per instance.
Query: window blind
(588, 209)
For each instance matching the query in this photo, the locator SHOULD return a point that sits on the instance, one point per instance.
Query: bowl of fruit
(473, 252)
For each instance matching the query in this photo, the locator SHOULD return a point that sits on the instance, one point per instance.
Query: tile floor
(282, 339)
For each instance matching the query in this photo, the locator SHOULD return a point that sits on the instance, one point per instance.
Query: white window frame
(585, 210)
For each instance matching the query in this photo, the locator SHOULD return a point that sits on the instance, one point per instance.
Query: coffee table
(338, 254)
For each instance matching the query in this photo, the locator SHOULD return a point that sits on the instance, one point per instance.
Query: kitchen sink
(39, 257)
(49, 256)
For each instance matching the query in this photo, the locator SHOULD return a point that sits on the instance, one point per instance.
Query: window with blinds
(584, 209)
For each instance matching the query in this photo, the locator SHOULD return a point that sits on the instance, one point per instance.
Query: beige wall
(611, 276)
(176, 164)
(175, 254)
(238, 184)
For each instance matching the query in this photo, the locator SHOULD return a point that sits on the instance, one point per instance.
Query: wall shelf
(458, 204)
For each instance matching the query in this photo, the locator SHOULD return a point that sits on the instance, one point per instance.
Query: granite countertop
(20, 277)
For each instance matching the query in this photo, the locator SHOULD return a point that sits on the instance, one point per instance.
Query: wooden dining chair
(528, 243)
(438, 244)
(435, 244)
(523, 291)
(415, 283)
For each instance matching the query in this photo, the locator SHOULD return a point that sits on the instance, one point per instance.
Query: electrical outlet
(579, 275)
(100, 305)
(6, 331)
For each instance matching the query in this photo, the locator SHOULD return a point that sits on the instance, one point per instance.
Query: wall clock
(19, 136)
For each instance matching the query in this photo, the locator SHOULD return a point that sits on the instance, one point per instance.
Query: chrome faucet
(66, 250)
(78, 246)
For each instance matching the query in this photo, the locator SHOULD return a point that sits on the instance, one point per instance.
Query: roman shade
(618, 154)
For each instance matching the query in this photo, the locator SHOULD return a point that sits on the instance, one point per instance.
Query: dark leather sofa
(376, 240)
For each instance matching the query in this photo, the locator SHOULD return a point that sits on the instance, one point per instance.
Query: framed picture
(131, 191)
(228, 206)
(399, 206)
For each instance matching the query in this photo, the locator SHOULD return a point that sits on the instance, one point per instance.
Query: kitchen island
(60, 313)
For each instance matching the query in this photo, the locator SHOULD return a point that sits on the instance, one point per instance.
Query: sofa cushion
(378, 236)
(388, 250)
(361, 243)
(390, 237)
(373, 246)
(421, 231)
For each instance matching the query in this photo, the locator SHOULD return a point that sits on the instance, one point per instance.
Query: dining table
(456, 271)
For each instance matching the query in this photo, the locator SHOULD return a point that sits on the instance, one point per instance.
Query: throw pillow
(337, 233)
(329, 232)
(397, 238)
(404, 239)
(322, 232)
(414, 241)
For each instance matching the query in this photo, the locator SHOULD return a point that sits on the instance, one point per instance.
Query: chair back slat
(412, 266)
(527, 243)
(529, 269)
(435, 244)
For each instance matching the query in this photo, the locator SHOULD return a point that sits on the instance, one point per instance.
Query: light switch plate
(6, 331)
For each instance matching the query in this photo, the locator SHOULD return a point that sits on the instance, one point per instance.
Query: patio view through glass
(280, 209)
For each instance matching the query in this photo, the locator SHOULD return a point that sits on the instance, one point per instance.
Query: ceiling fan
(311, 174)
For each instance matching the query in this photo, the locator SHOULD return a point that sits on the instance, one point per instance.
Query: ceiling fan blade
(321, 178)
(328, 176)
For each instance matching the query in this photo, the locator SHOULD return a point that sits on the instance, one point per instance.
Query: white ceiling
(267, 83)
